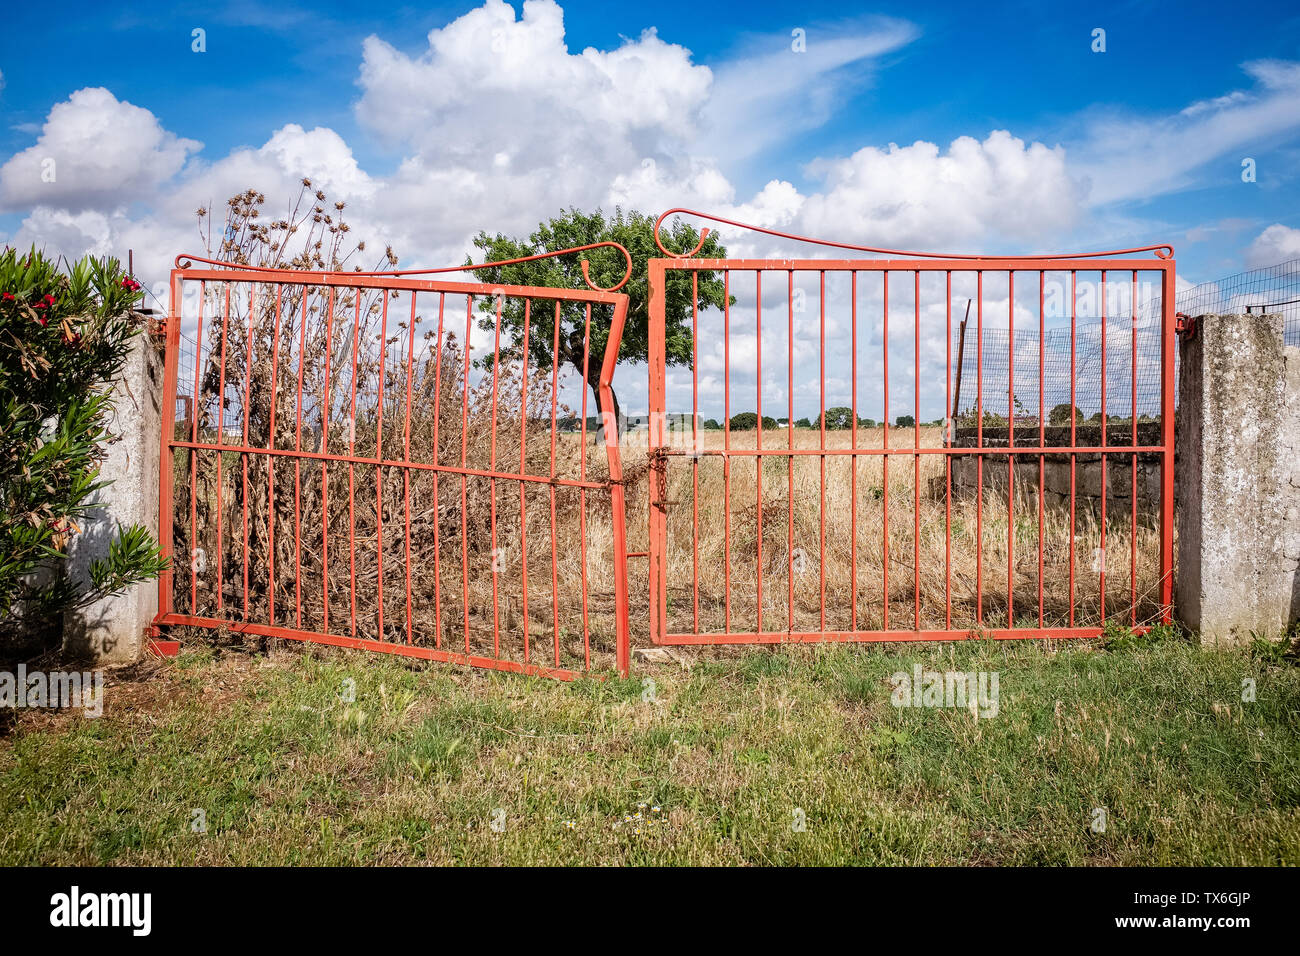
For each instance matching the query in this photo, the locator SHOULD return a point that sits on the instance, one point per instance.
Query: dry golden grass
(809, 574)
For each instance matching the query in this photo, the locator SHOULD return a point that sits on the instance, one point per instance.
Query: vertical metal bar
(884, 561)
(1133, 468)
(324, 473)
(406, 469)
(194, 437)
(297, 469)
(853, 462)
(1074, 418)
(270, 460)
(1167, 319)
(379, 457)
(726, 445)
(1042, 433)
(950, 429)
(789, 434)
(821, 391)
(221, 428)
(582, 492)
(1105, 487)
(496, 364)
(979, 444)
(437, 499)
(523, 455)
(167, 471)
(658, 478)
(244, 436)
(758, 439)
(618, 509)
(352, 450)
(695, 458)
(555, 396)
(1011, 446)
(464, 463)
(916, 459)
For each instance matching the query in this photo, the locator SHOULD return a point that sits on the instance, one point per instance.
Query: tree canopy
(747, 421)
(1061, 414)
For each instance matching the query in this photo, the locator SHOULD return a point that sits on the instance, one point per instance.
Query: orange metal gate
(339, 475)
(353, 469)
(1024, 487)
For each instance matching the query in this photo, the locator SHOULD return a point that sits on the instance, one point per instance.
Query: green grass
(734, 753)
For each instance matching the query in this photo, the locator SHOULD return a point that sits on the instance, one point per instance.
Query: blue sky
(949, 127)
(965, 70)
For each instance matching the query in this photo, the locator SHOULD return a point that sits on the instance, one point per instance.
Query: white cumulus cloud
(1277, 243)
(94, 152)
(922, 197)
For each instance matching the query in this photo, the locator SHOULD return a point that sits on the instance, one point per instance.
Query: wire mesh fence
(1274, 288)
(1000, 374)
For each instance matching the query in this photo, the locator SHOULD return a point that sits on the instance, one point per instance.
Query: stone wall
(1057, 465)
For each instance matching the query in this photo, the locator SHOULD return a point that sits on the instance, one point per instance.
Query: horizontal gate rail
(995, 530)
(348, 478)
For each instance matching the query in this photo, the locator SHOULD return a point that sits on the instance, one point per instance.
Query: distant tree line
(838, 418)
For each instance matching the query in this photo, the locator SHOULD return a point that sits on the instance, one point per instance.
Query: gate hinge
(1184, 324)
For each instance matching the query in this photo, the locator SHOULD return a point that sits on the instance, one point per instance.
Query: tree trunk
(592, 378)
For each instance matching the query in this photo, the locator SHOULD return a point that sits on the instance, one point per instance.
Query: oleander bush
(65, 333)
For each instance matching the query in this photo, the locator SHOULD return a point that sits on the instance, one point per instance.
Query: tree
(635, 232)
(747, 421)
(1060, 414)
(841, 416)
(803, 423)
(904, 421)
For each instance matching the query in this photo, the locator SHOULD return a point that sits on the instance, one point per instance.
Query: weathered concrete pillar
(1238, 501)
(114, 630)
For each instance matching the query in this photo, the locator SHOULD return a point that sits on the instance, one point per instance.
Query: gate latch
(658, 461)
(1184, 324)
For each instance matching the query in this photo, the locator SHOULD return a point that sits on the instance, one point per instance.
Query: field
(723, 756)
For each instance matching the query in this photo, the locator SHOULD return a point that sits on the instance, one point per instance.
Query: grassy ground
(738, 748)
